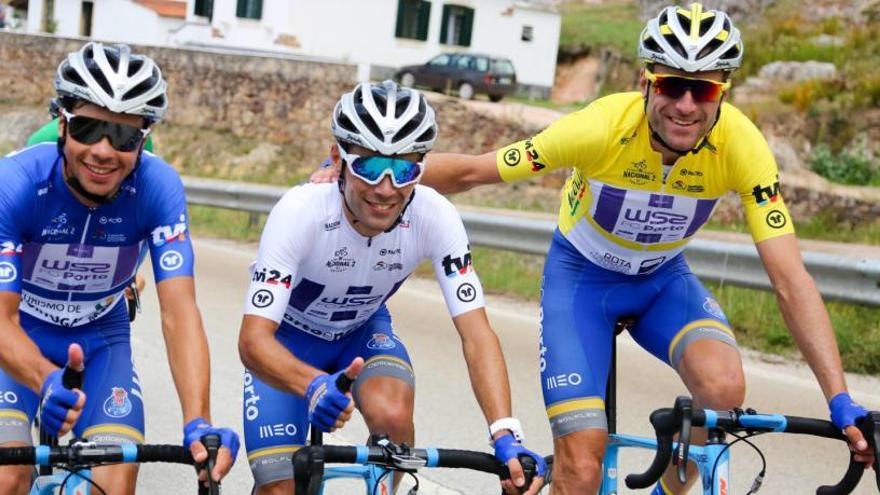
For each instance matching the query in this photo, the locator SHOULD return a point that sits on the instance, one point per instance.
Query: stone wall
(279, 100)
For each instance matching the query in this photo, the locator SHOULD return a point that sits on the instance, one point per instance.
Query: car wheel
(407, 80)
(495, 98)
(465, 91)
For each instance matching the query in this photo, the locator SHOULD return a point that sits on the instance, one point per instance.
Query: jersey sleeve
(279, 255)
(16, 203)
(566, 142)
(450, 256)
(171, 250)
(756, 180)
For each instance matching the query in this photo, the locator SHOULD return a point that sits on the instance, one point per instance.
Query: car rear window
(503, 67)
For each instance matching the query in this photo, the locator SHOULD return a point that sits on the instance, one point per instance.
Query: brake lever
(680, 459)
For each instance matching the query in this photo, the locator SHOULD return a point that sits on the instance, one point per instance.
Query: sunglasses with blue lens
(372, 169)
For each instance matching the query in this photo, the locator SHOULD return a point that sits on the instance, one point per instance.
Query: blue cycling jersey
(71, 263)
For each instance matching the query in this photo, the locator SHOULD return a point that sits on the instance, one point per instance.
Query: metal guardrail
(843, 278)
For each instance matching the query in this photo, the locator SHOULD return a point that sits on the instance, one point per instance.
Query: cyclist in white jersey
(330, 256)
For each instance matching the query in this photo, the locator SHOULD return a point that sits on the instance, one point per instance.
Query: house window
(458, 21)
(249, 9)
(85, 19)
(527, 33)
(204, 8)
(412, 19)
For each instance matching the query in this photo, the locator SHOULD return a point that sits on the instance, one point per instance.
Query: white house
(388, 33)
(149, 22)
(370, 33)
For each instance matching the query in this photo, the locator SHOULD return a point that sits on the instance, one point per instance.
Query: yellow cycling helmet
(692, 39)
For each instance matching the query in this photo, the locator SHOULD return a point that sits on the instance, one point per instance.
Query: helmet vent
(427, 135)
(672, 40)
(345, 123)
(102, 81)
(134, 66)
(113, 59)
(402, 105)
(140, 89)
(407, 129)
(706, 24)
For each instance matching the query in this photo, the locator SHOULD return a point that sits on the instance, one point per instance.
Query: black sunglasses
(88, 130)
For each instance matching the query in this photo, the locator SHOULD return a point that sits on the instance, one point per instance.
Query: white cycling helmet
(692, 39)
(113, 78)
(385, 118)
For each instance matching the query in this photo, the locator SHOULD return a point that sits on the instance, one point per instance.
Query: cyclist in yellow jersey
(647, 169)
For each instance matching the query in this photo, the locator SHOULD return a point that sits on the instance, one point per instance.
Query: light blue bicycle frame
(369, 473)
(49, 485)
(717, 483)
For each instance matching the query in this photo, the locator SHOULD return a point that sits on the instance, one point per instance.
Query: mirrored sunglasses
(674, 86)
(372, 169)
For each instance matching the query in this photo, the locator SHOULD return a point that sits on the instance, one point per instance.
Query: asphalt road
(446, 412)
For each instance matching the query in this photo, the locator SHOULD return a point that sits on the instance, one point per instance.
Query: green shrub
(846, 167)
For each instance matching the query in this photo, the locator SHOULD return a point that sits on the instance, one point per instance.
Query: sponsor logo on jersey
(466, 292)
(381, 341)
(563, 380)
(118, 405)
(104, 220)
(776, 219)
(533, 157)
(8, 273)
(262, 298)
(690, 173)
(58, 226)
(277, 430)
(711, 306)
(272, 277)
(454, 266)
(381, 266)
(170, 260)
(651, 264)
(613, 262)
(164, 234)
(332, 225)
(512, 157)
(9, 248)
(576, 190)
(251, 411)
(8, 397)
(638, 173)
(340, 261)
(766, 195)
(389, 252)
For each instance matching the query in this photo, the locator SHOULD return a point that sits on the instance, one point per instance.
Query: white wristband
(511, 424)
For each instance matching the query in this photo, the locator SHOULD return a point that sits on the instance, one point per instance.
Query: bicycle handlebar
(81, 454)
(668, 421)
(309, 461)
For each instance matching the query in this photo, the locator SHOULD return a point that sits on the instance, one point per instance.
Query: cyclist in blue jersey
(330, 257)
(79, 217)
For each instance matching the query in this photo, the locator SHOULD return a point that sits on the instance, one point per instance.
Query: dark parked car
(467, 73)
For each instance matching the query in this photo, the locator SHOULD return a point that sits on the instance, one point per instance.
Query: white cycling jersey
(317, 274)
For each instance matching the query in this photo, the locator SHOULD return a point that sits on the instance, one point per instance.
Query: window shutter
(424, 18)
(444, 27)
(401, 7)
(467, 24)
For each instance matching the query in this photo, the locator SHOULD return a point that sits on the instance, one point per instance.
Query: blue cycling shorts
(276, 422)
(580, 304)
(114, 409)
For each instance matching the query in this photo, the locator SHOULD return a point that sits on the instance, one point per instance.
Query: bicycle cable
(412, 491)
(71, 472)
(759, 479)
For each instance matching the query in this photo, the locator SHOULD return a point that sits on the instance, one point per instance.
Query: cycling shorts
(114, 409)
(580, 304)
(276, 422)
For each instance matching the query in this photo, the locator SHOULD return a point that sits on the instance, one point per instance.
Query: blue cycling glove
(844, 411)
(197, 428)
(56, 401)
(326, 401)
(508, 447)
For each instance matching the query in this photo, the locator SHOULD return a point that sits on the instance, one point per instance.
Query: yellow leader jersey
(617, 207)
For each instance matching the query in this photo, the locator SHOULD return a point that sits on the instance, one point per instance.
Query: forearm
(455, 172)
(21, 358)
(807, 319)
(265, 357)
(189, 360)
(488, 375)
